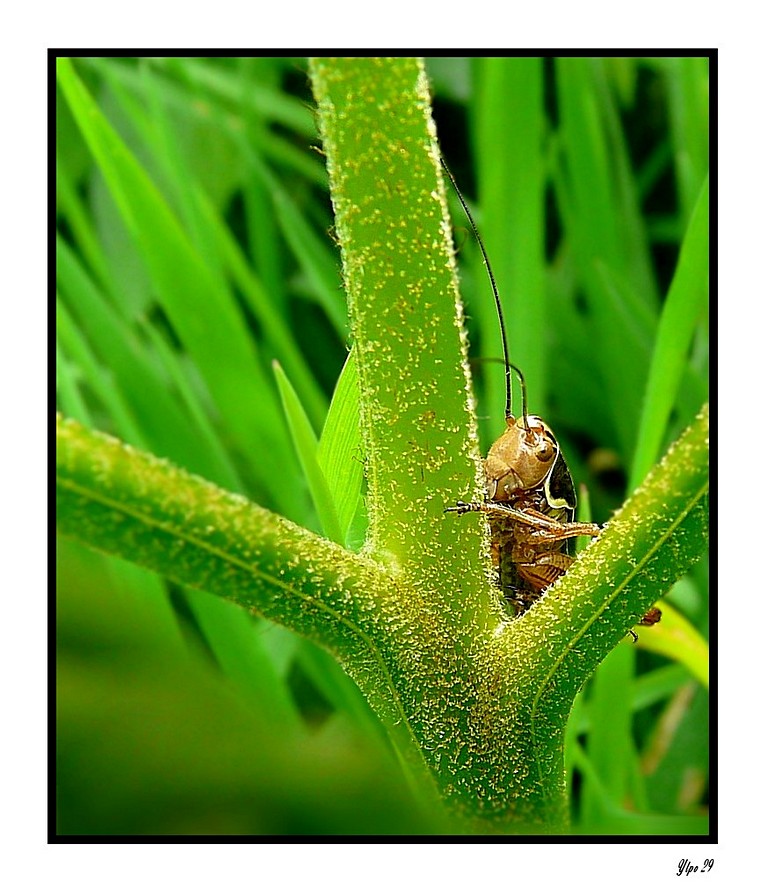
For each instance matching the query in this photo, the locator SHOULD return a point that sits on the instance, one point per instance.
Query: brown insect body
(530, 508)
(526, 472)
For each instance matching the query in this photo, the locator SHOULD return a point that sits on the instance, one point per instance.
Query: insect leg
(463, 507)
(509, 513)
(564, 530)
(546, 528)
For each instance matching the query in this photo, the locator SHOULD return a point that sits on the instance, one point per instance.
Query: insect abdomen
(526, 568)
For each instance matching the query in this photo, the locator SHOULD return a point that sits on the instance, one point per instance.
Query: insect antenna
(508, 365)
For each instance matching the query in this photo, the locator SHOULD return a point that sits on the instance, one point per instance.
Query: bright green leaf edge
(305, 443)
(685, 305)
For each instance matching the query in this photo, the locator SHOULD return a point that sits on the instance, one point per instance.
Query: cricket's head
(521, 459)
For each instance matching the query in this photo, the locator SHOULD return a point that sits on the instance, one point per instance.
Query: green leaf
(305, 443)
(339, 452)
(684, 307)
(512, 187)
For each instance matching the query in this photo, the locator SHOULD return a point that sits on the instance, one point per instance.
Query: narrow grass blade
(608, 747)
(305, 445)
(685, 305)
(203, 313)
(511, 180)
(339, 452)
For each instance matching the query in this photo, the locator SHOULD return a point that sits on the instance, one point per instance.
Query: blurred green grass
(194, 248)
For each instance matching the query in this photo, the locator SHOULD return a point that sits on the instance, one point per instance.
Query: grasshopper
(530, 495)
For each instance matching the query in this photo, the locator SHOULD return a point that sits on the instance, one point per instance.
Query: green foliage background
(179, 713)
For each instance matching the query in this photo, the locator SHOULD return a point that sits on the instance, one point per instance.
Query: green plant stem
(392, 221)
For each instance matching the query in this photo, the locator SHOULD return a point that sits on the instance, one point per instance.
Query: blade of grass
(511, 189)
(637, 785)
(222, 88)
(134, 380)
(76, 348)
(202, 312)
(599, 207)
(70, 207)
(319, 267)
(226, 88)
(688, 80)
(116, 604)
(186, 97)
(305, 445)
(338, 688)
(657, 685)
(276, 326)
(230, 637)
(166, 431)
(647, 689)
(234, 638)
(207, 441)
(339, 450)
(264, 246)
(684, 306)
(610, 714)
(68, 396)
(617, 822)
(214, 239)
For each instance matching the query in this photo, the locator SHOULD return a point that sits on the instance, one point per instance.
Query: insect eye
(545, 453)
